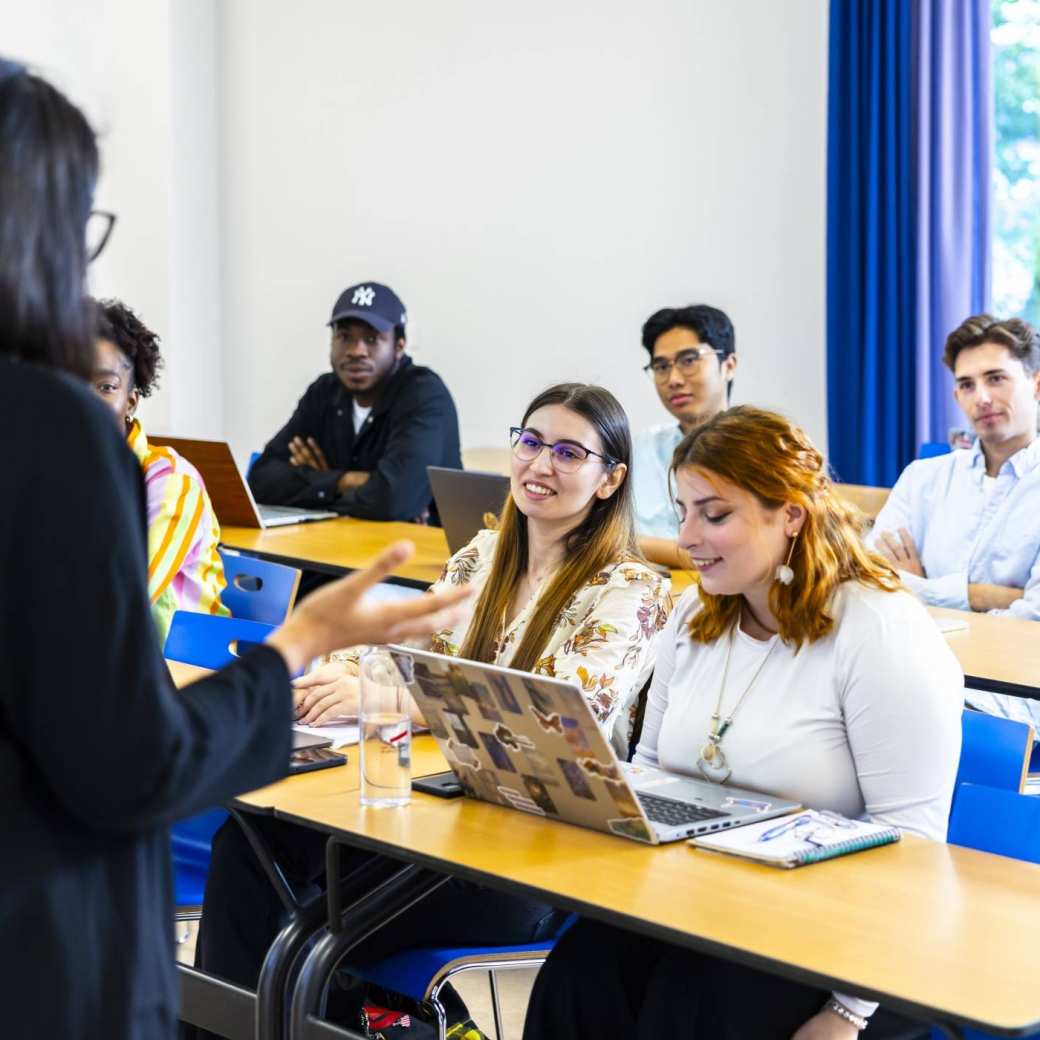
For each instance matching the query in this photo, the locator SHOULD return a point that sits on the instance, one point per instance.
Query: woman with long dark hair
(95, 763)
(562, 591)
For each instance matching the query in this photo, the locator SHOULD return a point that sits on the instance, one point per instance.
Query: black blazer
(98, 752)
(412, 425)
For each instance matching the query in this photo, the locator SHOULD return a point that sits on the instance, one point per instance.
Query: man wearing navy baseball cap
(363, 434)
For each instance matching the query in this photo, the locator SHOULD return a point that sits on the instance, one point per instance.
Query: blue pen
(783, 828)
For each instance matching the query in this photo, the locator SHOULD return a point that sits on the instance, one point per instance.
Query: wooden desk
(1001, 654)
(339, 546)
(935, 931)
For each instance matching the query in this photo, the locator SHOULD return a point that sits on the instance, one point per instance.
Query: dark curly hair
(120, 326)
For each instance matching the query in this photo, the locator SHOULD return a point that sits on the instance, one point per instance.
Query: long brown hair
(605, 536)
(764, 453)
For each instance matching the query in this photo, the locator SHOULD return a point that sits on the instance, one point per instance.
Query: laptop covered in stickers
(531, 743)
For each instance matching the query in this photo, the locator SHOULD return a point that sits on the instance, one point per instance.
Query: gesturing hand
(901, 552)
(306, 452)
(337, 616)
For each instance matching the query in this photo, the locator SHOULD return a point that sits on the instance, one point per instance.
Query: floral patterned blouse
(603, 640)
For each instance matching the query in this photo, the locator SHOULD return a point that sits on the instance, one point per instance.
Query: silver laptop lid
(532, 743)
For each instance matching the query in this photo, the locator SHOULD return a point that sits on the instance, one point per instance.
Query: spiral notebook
(801, 838)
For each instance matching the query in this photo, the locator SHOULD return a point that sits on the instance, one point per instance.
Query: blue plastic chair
(1001, 822)
(422, 974)
(258, 590)
(211, 641)
(191, 842)
(252, 461)
(994, 752)
(929, 449)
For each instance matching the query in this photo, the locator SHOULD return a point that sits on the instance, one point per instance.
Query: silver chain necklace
(712, 762)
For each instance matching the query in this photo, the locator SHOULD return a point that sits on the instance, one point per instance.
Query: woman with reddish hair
(796, 665)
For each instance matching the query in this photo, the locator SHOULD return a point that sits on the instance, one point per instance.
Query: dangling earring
(784, 574)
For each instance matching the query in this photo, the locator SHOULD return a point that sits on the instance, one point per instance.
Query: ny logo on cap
(364, 296)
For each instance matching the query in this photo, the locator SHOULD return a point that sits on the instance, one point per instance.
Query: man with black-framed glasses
(363, 434)
(692, 361)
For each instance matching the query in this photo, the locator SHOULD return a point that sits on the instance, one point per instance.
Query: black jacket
(98, 753)
(412, 425)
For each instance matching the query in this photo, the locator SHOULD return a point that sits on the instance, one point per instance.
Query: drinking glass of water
(386, 729)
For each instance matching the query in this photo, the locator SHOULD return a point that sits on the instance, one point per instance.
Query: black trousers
(602, 982)
(242, 914)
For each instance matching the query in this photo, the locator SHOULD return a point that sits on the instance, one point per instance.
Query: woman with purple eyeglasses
(559, 589)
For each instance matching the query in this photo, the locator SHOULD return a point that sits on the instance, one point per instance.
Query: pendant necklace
(712, 762)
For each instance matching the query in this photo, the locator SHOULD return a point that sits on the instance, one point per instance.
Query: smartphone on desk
(443, 785)
(305, 760)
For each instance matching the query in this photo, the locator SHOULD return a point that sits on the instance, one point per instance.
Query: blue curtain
(954, 142)
(871, 256)
(908, 201)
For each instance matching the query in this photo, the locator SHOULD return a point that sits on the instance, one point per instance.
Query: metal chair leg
(349, 926)
(442, 1016)
(496, 1007)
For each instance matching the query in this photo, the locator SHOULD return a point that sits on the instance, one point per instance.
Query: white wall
(145, 74)
(534, 181)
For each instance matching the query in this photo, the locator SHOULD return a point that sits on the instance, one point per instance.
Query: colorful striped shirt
(184, 568)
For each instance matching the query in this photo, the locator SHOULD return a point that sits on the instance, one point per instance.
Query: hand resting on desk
(336, 615)
(333, 691)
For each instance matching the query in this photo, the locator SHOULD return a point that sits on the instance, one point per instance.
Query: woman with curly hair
(184, 568)
(797, 665)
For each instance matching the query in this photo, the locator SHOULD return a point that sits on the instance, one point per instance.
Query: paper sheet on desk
(951, 624)
(341, 734)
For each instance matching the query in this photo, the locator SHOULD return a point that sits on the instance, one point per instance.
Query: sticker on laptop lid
(519, 800)
(513, 741)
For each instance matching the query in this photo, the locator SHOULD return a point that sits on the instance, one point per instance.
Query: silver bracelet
(839, 1009)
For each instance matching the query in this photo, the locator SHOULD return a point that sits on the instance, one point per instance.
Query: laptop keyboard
(673, 813)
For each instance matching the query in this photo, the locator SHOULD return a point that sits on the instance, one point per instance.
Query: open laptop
(463, 498)
(531, 743)
(232, 500)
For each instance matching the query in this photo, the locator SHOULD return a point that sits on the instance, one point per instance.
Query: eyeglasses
(99, 229)
(566, 456)
(685, 361)
(808, 828)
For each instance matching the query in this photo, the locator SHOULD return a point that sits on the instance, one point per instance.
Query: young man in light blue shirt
(692, 361)
(964, 528)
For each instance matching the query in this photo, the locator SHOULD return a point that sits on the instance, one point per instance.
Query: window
(1015, 37)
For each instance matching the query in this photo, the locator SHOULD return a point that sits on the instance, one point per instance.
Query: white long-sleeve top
(865, 722)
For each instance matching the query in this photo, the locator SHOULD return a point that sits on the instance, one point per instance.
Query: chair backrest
(253, 456)
(210, 641)
(929, 449)
(1003, 822)
(258, 590)
(994, 752)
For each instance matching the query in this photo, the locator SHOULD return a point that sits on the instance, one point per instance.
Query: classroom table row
(999, 654)
(938, 932)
